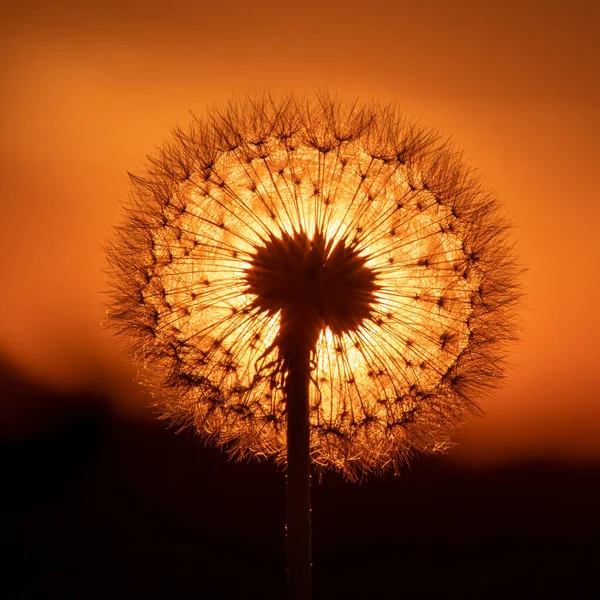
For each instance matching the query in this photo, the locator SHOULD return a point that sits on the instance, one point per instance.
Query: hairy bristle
(413, 293)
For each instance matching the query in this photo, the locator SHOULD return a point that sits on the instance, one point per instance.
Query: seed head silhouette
(326, 264)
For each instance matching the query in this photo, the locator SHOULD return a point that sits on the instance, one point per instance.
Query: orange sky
(87, 92)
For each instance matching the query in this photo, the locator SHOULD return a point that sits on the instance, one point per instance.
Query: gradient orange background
(88, 91)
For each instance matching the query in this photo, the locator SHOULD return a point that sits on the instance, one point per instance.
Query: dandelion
(314, 275)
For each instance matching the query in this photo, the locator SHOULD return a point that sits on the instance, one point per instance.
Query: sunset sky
(100, 499)
(90, 90)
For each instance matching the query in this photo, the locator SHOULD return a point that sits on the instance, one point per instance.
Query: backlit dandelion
(317, 263)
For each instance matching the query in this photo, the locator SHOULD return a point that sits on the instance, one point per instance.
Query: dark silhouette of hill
(94, 506)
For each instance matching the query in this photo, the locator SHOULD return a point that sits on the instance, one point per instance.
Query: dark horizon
(97, 505)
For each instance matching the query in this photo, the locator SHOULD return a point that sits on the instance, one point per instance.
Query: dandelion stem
(298, 476)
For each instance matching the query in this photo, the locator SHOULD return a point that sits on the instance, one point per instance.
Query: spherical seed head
(347, 231)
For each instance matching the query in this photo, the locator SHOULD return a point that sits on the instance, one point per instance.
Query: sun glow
(408, 306)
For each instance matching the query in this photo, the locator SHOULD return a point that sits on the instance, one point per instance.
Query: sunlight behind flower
(408, 309)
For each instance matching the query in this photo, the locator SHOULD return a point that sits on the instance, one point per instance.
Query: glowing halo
(410, 309)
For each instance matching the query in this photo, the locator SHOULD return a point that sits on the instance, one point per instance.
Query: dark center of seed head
(314, 283)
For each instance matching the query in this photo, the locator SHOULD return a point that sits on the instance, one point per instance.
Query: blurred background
(101, 499)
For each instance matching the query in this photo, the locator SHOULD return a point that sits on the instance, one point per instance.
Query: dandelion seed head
(348, 229)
